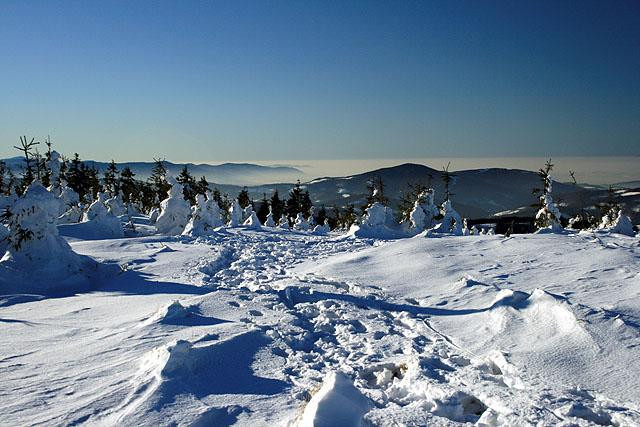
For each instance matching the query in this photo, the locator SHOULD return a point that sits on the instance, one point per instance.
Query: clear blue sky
(212, 81)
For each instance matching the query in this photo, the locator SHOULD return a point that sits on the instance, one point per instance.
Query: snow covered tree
(175, 210)
(451, 221)
(116, 205)
(128, 185)
(235, 214)
(111, 179)
(301, 223)
(36, 255)
(202, 186)
(321, 217)
(375, 190)
(202, 221)
(424, 211)
(252, 221)
(609, 210)
(622, 225)
(189, 185)
(447, 179)
(299, 201)
(243, 198)
(269, 221)
(102, 221)
(548, 215)
(264, 208)
(53, 167)
(277, 206)
(158, 179)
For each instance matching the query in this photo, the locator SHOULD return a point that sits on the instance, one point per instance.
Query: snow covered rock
(175, 210)
(337, 403)
(100, 222)
(37, 259)
(235, 214)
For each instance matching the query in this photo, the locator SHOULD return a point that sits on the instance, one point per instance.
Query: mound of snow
(337, 403)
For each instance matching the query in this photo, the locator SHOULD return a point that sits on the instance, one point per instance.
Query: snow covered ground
(277, 327)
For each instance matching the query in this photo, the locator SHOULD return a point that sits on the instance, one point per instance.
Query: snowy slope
(277, 327)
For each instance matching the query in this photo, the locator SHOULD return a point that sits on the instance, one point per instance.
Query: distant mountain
(225, 173)
(477, 193)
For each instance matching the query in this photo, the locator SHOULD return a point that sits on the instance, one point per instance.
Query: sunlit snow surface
(248, 326)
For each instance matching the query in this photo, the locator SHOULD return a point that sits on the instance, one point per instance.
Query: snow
(276, 327)
(337, 403)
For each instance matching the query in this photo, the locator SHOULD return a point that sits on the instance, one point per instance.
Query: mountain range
(225, 173)
(476, 193)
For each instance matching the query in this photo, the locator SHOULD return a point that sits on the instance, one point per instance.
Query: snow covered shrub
(424, 211)
(175, 210)
(235, 214)
(103, 222)
(37, 258)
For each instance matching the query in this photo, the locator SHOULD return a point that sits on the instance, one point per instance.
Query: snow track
(279, 328)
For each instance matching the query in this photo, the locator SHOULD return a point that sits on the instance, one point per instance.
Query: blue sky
(215, 81)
